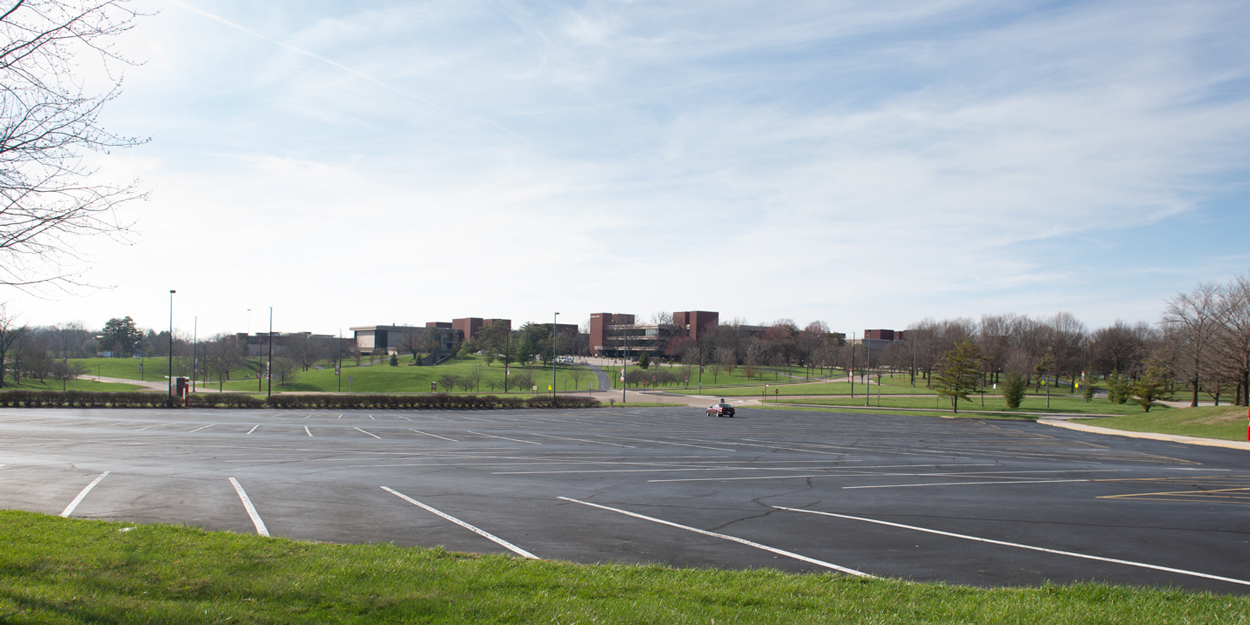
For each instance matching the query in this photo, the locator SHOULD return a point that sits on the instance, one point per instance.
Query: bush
(1088, 389)
(333, 401)
(1119, 389)
(1013, 389)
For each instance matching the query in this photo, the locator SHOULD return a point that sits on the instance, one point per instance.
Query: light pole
(554, 320)
(269, 367)
(171, 342)
(868, 372)
(338, 365)
(624, 365)
(195, 343)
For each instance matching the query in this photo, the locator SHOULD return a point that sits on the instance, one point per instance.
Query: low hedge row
(83, 399)
(334, 401)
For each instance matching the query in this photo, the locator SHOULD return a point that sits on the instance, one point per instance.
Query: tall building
(615, 334)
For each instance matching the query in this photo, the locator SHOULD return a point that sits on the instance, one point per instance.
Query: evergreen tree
(120, 336)
(1152, 386)
(1119, 388)
(959, 372)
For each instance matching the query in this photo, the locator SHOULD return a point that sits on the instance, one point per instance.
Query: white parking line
(643, 440)
(364, 432)
(965, 484)
(1021, 546)
(582, 440)
(433, 435)
(503, 543)
(82, 495)
(202, 428)
(788, 554)
(404, 418)
(515, 440)
(251, 510)
(307, 431)
(253, 428)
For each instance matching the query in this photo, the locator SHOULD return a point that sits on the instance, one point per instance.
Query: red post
(1248, 424)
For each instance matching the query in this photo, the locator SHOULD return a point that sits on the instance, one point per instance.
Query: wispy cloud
(963, 151)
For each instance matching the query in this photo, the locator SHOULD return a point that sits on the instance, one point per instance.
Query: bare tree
(1192, 321)
(577, 373)
(412, 341)
(223, 353)
(1232, 344)
(47, 122)
(10, 332)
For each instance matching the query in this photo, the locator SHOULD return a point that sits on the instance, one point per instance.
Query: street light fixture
(171, 342)
(554, 320)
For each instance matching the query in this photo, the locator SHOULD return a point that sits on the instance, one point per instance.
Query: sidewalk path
(1174, 438)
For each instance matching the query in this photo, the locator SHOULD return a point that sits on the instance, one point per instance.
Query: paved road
(960, 501)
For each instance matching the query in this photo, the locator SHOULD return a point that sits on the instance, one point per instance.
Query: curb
(1171, 438)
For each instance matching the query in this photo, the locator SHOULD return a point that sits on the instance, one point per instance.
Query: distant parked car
(720, 410)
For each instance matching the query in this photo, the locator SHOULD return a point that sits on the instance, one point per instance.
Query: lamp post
(269, 367)
(624, 365)
(554, 320)
(868, 372)
(195, 343)
(171, 342)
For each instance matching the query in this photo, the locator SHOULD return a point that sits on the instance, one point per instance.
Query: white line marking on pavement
(433, 435)
(371, 417)
(515, 440)
(253, 428)
(503, 543)
(1021, 546)
(806, 451)
(404, 418)
(307, 431)
(581, 440)
(251, 510)
(202, 428)
(788, 554)
(339, 417)
(643, 440)
(364, 432)
(965, 484)
(83, 495)
(856, 472)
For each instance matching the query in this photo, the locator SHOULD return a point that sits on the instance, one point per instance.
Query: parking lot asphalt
(983, 503)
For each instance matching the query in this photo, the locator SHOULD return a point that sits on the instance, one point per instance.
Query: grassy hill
(55, 570)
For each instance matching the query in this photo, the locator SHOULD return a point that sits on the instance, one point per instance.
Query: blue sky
(864, 164)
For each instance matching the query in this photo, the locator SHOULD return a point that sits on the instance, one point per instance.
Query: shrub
(1088, 389)
(333, 401)
(1013, 389)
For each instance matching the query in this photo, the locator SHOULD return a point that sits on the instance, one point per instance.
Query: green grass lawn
(1032, 403)
(713, 383)
(55, 570)
(81, 384)
(383, 378)
(153, 369)
(1222, 422)
(889, 386)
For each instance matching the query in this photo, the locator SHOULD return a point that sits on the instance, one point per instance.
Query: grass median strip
(55, 570)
